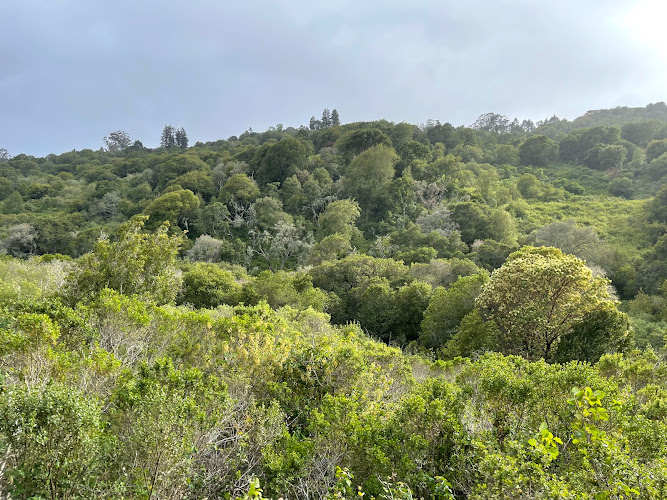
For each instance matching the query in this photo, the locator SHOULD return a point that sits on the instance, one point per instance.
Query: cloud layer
(72, 71)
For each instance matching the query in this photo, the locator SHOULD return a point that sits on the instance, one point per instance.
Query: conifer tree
(168, 139)
(335, 119)
(181, 138)
(326, 118)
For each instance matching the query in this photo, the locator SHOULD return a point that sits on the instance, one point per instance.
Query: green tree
(355, 142)
(537, 297)
(176, 207)
(657, 169)
(538, 150)
(181, 138)
(207, 285)
(335, 118)
(339, 217)
(168, 138)
(447, 308)
(197, 181)
(597, 333)
(655, 149)
(368, 179)
(13, 204)
(281, 160)
(21, 241)
(134, 263)
(332, 247)
(239, 188)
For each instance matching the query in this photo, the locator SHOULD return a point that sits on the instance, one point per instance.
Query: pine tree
(181, 138)
(314, 124)
(168, 139)
(335, 119)
(326, 118)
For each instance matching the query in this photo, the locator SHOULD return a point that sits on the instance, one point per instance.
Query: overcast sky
(71, 71)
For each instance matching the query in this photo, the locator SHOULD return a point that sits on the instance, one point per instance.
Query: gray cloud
(72, 71)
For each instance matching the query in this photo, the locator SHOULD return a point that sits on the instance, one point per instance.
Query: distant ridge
(621, 115)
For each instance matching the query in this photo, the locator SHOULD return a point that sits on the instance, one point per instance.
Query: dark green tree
(335, 119)
(181, 138)
(168, 138)
(538, 150)
(356, 142)
(281, 160)
(326, 118)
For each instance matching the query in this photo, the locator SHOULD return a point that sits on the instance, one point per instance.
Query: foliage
(135, 263)
(538, 296)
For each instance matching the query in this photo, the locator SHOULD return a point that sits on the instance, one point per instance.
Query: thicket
(395, 310)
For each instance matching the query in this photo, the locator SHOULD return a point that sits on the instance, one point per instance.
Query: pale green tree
(538, 297)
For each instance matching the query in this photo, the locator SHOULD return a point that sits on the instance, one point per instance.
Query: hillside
(373, 308)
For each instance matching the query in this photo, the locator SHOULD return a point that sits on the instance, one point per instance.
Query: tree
(214, 220)
(369, 177)
(335, 119)
(181, 138)
(656, 209)
(239, 188)
(447, 308)
(205, 249)
(176, 207)
(655, 149)
(21, 241)
(339, 217)
(605, 157)
(118, 141)
(332, 247)
(538, 150)
(493, 122)
(657, 169)
(278, 245)
(538, 297)
(568, 237)
(594, 335)
(168, 138)
(5, 156)
(439, 220)
(281, 160)
(356, 142)
(472, 221)
(207, 285)
(134, 263)
(326, 118)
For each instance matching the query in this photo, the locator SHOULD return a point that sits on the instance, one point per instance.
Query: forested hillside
(377, 309)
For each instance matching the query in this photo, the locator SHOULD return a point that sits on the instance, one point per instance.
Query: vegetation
(340, 310)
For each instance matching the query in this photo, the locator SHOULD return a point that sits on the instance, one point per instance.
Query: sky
(71, 71)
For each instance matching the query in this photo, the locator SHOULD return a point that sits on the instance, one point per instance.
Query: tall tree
(335, 119)
(4, 155)
(181, 138)
(315, 124)
(326, 118)
(168, 138)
